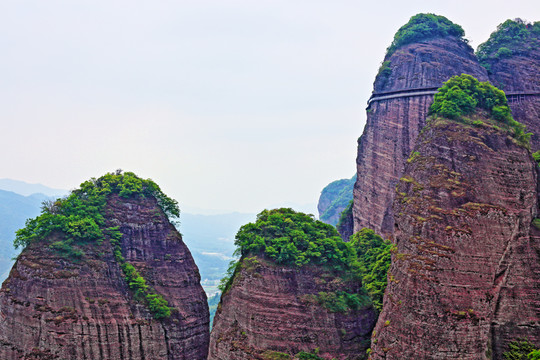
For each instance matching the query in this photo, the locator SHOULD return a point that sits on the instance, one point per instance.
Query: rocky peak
(104, 275)
(463, 281)
(394, 118)
(296, 291)
(512, 56)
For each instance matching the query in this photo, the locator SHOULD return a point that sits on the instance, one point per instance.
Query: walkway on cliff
(513, 97)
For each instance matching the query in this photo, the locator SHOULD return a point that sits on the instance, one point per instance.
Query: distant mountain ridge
(14, 210)
(26, 189)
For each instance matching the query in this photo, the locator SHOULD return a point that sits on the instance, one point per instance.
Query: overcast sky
(236, 105)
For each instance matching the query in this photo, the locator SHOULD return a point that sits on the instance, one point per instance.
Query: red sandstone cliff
(465, 278)
(270, 308)
(393, 124)
(55, 308)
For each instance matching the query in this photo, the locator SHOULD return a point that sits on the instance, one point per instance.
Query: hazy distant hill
(14, 210)
(26, 189)
(334, 199)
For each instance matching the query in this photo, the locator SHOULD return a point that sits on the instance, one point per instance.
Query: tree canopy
(463, 95)
(422, 27)
(294, 238)
(374, 256)
(512, 37)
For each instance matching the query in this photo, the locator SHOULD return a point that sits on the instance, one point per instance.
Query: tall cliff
(512, 55)
(416, 60)
(104, 275)
(294, 290)
(465, 277)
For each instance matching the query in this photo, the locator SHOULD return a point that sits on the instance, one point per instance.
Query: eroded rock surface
(465, 278)
(271, 308)
(52, 307)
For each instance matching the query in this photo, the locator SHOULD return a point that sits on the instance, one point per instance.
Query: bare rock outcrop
(394, 123)
(465, 278)
(272, 308)
(56, 307)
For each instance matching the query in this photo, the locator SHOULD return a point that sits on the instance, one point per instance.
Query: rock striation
(394, 123)
(55, 307)
(270, 308)
(465, 277)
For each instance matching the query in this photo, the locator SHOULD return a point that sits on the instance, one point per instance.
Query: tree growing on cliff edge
(463, 95)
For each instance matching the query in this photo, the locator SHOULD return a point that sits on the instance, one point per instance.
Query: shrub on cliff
(422, 27)
(462, 95)
(512, 37)
(294, 238)
(521, 350)
(374, 259)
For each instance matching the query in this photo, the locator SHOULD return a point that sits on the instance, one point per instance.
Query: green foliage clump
(422, 27)
(463, 95)
(374, 255)
(521, 350)
(341, 301)
(78, 221)
(345, 214)
(536, 157)
(512, 37)
(294, 238)
(302, 355)
(275, 355)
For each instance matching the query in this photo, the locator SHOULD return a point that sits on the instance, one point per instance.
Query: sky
(227, 105)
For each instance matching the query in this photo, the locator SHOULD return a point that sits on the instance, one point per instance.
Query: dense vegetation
(339, 193)
(422, 27)
(462, 95)
(296, 239)
(374, 255)
(345, 214)
(521, 350)
(78, 221)
(512, 37)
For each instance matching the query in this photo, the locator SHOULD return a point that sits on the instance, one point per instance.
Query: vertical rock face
(271, 308)
(394, 123)
(52, 307)
(465, 278)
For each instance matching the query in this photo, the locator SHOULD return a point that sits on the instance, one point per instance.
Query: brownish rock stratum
(393, 124)
(270, 308)
(465, 279)
(56, 308)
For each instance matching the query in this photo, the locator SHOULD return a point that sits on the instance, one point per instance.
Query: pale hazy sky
(236, 105)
